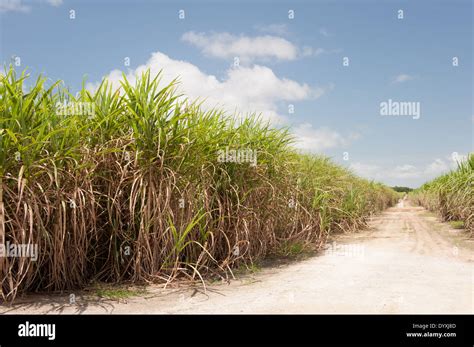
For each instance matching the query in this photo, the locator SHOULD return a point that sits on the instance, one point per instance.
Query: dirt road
(405, 262)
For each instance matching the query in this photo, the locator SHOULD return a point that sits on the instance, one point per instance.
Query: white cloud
(436, 168)
(249, 49)
(455, 158)
(55, 2)
(275, 29)
(307, 51)
(228, 46)
(369, 171)
(316, 140)
(245, 89)
(402, 78)
(14, 6)
(376, 172)
(404, 171)
(19, 6)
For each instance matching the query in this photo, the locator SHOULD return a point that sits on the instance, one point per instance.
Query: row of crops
(140, 185)
(451, 195)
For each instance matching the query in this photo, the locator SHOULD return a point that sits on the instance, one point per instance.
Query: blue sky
(282, 62)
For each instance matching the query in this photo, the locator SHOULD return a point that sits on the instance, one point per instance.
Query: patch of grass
(457, 224)
(254, 268)
(292, 249)
(248, 269)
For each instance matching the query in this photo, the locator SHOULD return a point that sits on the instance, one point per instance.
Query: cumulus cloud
(308, 51)
(55, 2)
(228, 46)
(437, 167)
(255, 89)
(404, 171)
(245, 89)
(369, 171)
(311, 139)
(14, 6)
(20, 6)
(249, 49)
(403, 78)
(376, 172)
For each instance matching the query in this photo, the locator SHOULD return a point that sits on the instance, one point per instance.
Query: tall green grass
(135, 191)
(451, 195)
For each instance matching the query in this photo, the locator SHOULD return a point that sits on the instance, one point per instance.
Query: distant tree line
(402, 189)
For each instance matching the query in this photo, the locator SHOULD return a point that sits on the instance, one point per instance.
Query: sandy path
(405, 262)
